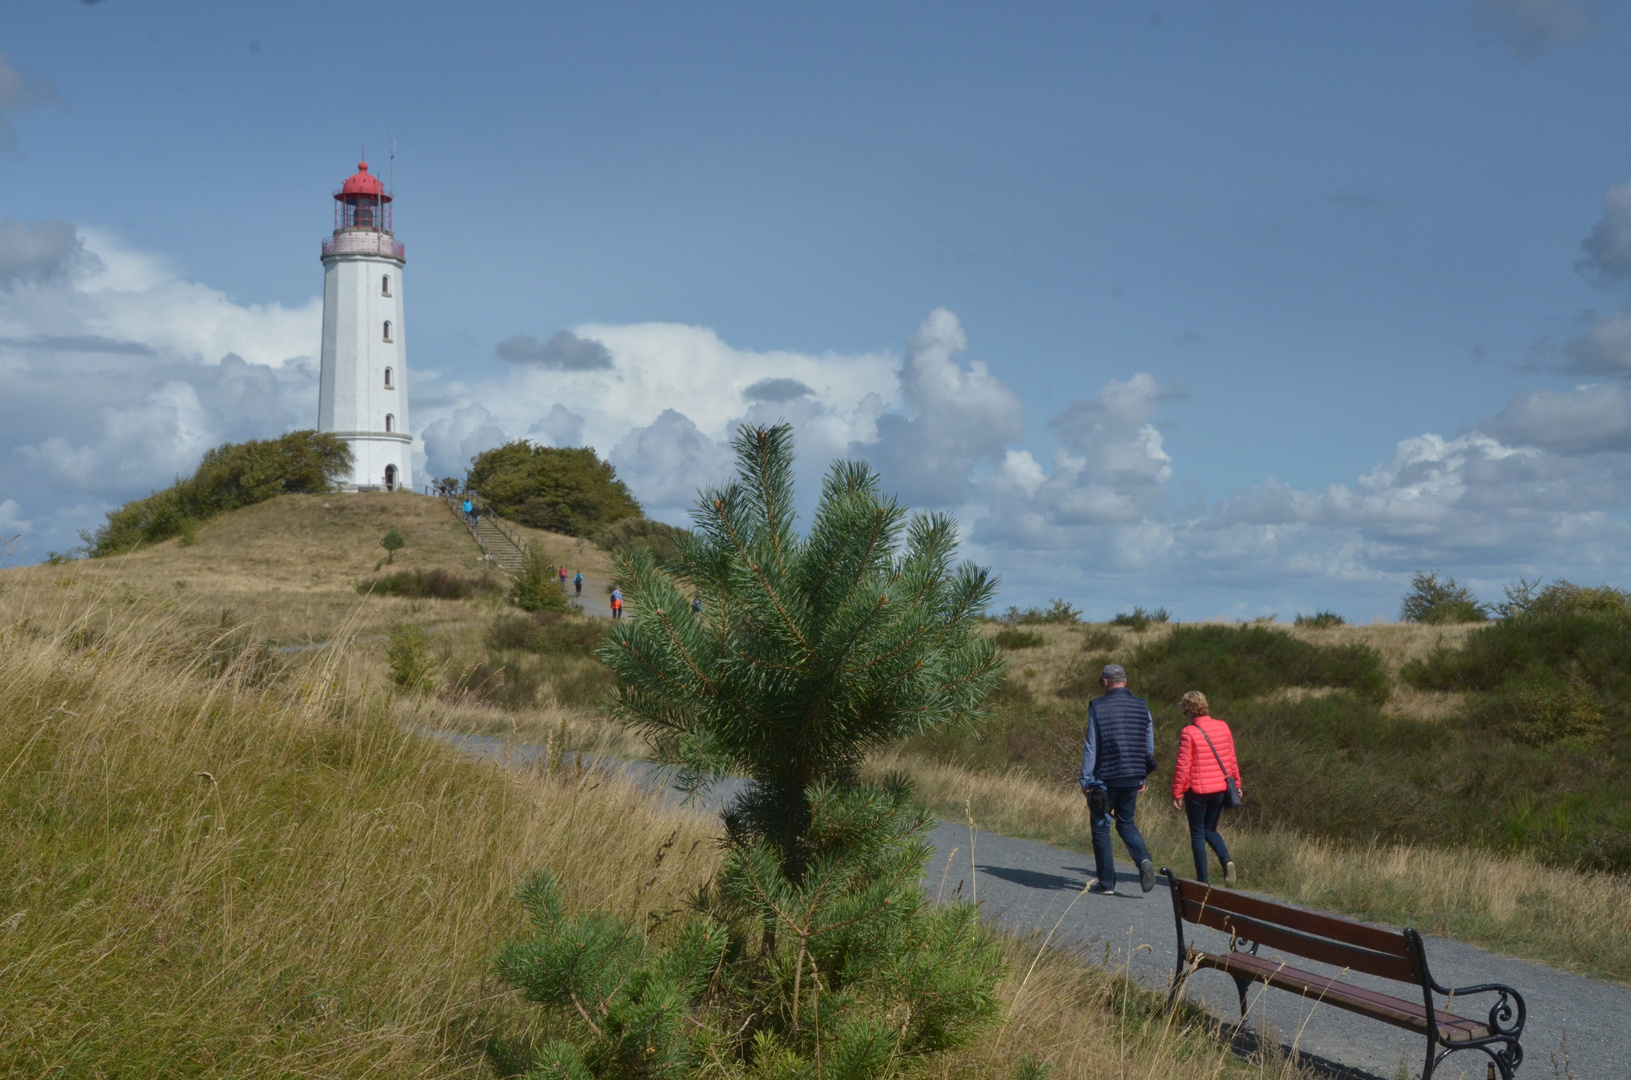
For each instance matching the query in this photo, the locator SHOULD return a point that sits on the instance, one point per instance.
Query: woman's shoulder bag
(1231, 791)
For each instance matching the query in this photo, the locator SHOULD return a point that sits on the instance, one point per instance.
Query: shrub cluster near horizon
(231, 476)
(563, 489)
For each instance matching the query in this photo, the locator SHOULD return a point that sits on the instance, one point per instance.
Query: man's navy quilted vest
(1123, 737)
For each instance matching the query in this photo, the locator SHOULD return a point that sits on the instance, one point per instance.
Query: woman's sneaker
(1146, 875)
(1229, 874)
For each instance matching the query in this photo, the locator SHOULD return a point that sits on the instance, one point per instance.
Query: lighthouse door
(390, 478)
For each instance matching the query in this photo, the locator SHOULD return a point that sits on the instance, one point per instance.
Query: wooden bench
(1253, 924)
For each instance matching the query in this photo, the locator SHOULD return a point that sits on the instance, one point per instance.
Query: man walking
(1118, 754)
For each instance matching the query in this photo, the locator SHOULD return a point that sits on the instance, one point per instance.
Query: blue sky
(1266, 250)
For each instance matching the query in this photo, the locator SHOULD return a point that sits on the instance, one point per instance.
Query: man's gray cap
(1113, 673)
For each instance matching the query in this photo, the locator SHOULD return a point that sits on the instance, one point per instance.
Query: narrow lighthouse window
(390, 422)
(387, 329)
(385, 285)
(388, 379)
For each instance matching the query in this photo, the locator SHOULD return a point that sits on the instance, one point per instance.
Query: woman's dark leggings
(1203, 812)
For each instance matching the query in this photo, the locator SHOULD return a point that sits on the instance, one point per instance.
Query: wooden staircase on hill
(503, 547)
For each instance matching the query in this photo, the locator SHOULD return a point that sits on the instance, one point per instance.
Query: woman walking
(1206, 764)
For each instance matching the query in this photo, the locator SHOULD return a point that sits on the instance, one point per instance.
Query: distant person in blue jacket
(1118, 755)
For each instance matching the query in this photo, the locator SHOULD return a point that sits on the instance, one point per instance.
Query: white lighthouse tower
(363, 393)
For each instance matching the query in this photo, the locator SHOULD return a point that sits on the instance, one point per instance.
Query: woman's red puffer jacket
(1197, 769)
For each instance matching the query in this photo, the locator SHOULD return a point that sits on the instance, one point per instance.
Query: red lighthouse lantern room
(362, 203)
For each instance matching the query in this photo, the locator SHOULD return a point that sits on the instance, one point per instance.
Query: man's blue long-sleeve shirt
(1122, 714)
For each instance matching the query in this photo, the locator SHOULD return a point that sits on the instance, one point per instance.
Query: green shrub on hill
(1059, 612)
(1592, 642)
(661, 539)
(1437, 602)
(437, 584)
(536, 587)
(547, 632)
(1233, 663)
(231, 476)
(565, 489)
(1139, 619)
(1018, 639)
(1320, 620)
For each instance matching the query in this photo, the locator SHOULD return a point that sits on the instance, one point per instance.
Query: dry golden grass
(1509, 903)
(1086, 1022)
(290, 567)
(285, 573)
(216, 866)
(204, 876)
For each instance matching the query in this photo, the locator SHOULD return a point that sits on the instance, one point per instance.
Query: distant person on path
(469, 509)
(1118, 755)
(617, 603)
(1206, 764)
(563, 577)
(577, 583)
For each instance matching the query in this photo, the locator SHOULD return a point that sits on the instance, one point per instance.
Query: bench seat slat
(1278, 935)
(1374, 938)
(1410, 1015)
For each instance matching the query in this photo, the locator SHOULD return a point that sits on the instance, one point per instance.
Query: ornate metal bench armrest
(1509, 1007)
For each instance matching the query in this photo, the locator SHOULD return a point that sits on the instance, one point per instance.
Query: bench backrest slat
(1326, 938)
(1338, 954)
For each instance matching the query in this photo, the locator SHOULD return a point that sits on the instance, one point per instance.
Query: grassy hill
(222, 859)
(1335, 775)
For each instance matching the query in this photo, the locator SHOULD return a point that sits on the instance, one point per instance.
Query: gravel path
(1025, 886)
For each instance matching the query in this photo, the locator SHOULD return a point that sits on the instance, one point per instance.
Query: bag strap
(1214, 750)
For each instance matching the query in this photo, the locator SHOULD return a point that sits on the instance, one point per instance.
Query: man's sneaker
(1229, 874)
(1101, 890)
(1146, 875)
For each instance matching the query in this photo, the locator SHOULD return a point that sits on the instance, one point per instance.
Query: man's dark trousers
(1123, 805)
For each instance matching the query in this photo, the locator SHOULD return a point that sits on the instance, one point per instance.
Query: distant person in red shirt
(1206, 764)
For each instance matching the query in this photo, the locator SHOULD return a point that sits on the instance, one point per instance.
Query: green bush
(1018, 639)
(661, 539)
(1320, 620)
(437, 584)
(1433, 601)
(1542, 707)
(1139, 619)
(393, 542)
(1597, 644)
(231, 476)
(536, 587)
(566, 489)
(1238, 662)
(407, 651)
(548, 632)
(1562, 598)
(1059, 612)
(1100, 639)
